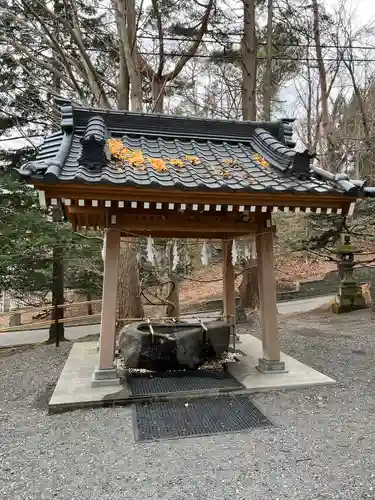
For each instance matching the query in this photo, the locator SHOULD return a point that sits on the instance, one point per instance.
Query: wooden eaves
(176, 213)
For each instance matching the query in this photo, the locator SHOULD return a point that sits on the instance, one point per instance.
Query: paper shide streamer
(246, 251)
(104, 245)
(234, 253)
(176, 257)
(249, 249)
(204, 254)
(150, 250)
(253, 249)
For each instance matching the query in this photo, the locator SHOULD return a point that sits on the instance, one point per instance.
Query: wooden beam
(78, 222)
(153, 211)
(103, 192)
(183, 234)
(182, 222)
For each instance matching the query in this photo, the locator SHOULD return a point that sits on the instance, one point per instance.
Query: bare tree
(160, 78)
(249, 61)
(126, 19)
(268, 76)
(324, 93)
(249, 293)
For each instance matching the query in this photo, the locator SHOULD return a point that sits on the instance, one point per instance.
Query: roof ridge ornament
(51, 167)
(66, 110)
(288, 132)
(300, 164)
(94, 155)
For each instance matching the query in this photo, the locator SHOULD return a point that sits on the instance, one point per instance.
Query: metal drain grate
(172, 382)
(198, 417)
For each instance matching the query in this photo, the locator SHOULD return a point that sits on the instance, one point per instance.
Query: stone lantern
(349, 296)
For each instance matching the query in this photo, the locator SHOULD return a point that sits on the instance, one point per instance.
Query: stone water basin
(172, 346)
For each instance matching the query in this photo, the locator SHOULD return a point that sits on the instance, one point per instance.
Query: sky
(364, 9)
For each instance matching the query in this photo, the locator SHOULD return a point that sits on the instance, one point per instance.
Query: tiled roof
(233, 156)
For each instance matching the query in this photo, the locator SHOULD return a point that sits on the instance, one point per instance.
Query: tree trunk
(249, 62)
(124, 81)
(173, 309)
(249, 293)
(309, 104)
(249, 285)
(129, 297)
(56, 330)
(126, 20)
(326, 125)
(89, 305)
(158, 85)
(132, 59)
(267, 91)
(129, 294)
(362, 108)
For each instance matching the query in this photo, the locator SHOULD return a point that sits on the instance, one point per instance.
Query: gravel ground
(322, 448)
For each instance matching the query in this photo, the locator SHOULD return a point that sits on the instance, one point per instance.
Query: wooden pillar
(270, 362)
(229, 297)
(106, 374)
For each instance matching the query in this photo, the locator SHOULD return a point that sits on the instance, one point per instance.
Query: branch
(194, 47)
(84, 236)
(76, 35)
(57, 47)
(22, 48)
(21, 137)
(47, 87)
(361, 262)
(357, 93)
(319, 120)
(161, 303)
(159, 96)
(329, 257)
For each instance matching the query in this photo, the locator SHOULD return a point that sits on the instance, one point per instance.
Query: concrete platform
(74, 389)
(298, 375)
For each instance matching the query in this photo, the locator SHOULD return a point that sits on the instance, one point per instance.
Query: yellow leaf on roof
(260, 160)
(176, 162)
(117, 149)
(136, 157)
(224, 173)
(194, 160)
(158, 164)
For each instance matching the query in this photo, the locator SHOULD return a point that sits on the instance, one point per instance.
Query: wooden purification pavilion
(176, 177)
